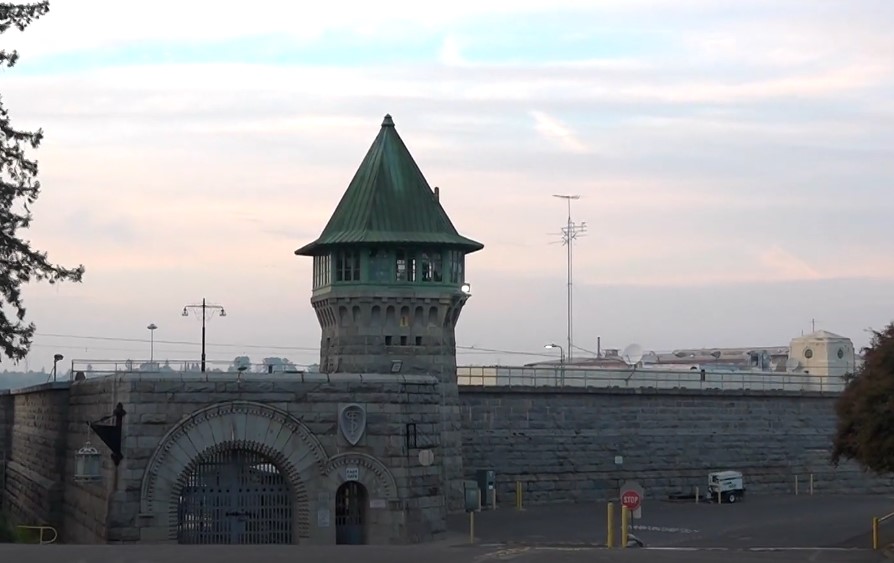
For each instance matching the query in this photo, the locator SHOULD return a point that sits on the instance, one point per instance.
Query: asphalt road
(758, 522)
(774, 529)
(409, 554)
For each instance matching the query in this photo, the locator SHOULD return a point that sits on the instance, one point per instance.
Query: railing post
(811, 483)
(518, 495)
(796, 485)
(875, 532)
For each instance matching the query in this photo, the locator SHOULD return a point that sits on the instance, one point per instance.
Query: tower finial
(387, 122)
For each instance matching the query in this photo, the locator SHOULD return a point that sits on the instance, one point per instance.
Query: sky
(733, 161)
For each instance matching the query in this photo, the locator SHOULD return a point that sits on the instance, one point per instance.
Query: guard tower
(389, 271)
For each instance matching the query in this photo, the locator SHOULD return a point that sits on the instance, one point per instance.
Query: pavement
(412, 554)
(772, 529)
(758, 522)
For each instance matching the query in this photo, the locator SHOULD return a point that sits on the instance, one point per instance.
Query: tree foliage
(20, 264)
(865, 409)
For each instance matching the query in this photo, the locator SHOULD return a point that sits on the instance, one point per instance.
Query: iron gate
(350, 514)
(235, 497)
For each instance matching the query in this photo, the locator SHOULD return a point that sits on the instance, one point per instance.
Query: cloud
(713, 144)
(556, 131)
(783, 265)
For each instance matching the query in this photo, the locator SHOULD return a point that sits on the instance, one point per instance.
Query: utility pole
(207, 312)
(570, 232)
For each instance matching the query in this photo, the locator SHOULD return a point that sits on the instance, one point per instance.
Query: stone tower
(389, 286)
(389, 278)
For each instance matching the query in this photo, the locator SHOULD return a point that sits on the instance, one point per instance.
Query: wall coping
(40, 387)
(249, 378)
(682, 392)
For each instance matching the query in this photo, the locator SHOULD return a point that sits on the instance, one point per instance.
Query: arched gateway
(235, 496)
(234, 472)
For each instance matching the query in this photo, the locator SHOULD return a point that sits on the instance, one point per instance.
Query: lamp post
(207, 312)
(561, 358)
(151, 328)
(56, 359)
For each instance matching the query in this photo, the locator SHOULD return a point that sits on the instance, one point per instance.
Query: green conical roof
(389, 202)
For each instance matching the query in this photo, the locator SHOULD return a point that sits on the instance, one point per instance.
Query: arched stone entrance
(257, 430)
(350, 513)
(235, 496)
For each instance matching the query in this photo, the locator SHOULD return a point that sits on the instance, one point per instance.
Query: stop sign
(631, 500)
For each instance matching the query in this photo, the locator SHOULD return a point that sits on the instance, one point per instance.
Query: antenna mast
(570, 232)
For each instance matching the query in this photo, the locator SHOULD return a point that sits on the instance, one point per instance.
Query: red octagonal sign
(631, 500)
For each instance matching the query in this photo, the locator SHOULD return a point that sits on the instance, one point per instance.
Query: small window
(403, 340)
(379, 269)
(347, 266)
(400, 262)
(840, 353)
(387, 341)
(321, 270)
(425, 266)
(418, 341)
(808, 353)
(430, 266)
(455, 260)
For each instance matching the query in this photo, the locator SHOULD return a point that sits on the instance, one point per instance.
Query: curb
(888, 551)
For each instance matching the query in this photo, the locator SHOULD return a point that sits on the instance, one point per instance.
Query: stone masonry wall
(6, 403)
(562, 443)
(154, 406)
(33, 488)
(88, 507)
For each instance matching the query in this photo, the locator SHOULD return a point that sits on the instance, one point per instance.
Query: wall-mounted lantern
(88, 464)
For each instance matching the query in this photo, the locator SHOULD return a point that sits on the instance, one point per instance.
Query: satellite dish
(632, 354)
(792, 364)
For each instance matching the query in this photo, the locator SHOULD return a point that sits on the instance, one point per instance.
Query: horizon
(731, 160)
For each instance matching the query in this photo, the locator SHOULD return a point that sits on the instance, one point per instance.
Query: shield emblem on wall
(352, 421)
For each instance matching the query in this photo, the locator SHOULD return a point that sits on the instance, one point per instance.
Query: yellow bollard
(811, 483)
(471, 527)
(518, 495)
(610, 526)
(719, 499)
(796, 485)
(625, 520)
(696, 495)
(875, 532)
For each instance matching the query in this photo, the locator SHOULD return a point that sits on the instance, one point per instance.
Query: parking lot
(767, 529)
(758, 522)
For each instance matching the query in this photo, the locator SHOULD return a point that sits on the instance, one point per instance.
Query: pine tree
(865, 432)
(19, 188)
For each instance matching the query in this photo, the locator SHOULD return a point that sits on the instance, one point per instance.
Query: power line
(469, 349)
(184, 342)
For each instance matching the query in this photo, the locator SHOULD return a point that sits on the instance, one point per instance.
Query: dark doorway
(350, 514)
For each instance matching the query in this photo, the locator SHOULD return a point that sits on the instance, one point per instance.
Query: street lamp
(56, 359)
(561, 358)
(151, 328)
(207, 312)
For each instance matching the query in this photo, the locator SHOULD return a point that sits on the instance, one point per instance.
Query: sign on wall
(352, 473)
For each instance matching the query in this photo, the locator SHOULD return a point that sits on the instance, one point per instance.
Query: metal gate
(350, 514)
(235, 497)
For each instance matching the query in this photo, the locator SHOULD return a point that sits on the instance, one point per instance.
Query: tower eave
(317, 247)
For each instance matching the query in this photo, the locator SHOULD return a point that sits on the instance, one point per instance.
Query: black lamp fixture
(56, 359)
